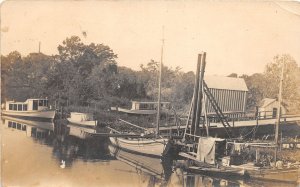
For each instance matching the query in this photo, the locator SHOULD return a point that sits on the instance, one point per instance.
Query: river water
(46, 154)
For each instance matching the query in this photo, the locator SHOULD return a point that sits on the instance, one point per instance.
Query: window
(20, 107)
(24, 107)
(15, 106)
(9, 124)
(14, 124)
(10, 106)
(24, 128)
(35, 105)
(40, 102)
(143, 106)
(45, 102)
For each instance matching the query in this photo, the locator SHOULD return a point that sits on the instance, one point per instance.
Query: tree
(290, 81)
(83, 66)
(234, 75)
(266, 85)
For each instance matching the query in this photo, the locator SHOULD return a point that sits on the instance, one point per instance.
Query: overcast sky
(238, 37)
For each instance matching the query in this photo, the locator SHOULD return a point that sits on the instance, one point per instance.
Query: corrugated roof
(226, 83)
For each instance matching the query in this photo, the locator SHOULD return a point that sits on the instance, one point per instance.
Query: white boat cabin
(139, 105)
(76, 116)
(28, 105)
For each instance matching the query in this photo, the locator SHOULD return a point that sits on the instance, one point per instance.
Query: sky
(238, 37)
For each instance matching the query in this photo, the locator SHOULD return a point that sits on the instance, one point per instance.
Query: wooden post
(159, 88)
(205, 116)
(196, 90)
(188, 119)
(200, 93)
(278, 110)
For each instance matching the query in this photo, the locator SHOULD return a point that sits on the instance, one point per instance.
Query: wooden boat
(283, 174)
(31, 108)
(149, 147)
(82, 119)
(277, 172)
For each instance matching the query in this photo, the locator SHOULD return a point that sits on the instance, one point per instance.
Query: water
(46, 154)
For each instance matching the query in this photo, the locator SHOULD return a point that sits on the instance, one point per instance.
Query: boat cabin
(147, 105)
(28, 105)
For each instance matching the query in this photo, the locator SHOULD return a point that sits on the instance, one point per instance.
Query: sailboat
(145, 146)
(279, 172)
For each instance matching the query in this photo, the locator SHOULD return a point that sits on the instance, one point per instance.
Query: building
(230, 94)
(148, 105)
(268, 108)
(145, 107)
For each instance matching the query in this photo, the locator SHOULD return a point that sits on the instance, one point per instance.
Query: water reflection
(157, 170)
(70, 144)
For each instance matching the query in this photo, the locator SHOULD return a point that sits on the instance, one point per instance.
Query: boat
(31, 109)
(151, 146)
(143, 107)
(211, 160)
(283, 174)
(82, 119)
(148, 147)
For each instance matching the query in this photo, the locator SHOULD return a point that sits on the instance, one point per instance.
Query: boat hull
(148, 147)
(83, 123)
(281, 175)
(47, 114)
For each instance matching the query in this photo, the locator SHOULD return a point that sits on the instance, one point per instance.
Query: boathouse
(268, 108)
(230, 93)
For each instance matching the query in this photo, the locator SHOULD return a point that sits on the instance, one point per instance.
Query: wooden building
(268, 108)
(230, 94)
(148, 105)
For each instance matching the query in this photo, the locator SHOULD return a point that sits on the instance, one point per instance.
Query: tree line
(84, 75)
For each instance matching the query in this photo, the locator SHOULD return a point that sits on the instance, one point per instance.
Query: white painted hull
(83, 123)
(48, 114)
(151, 147)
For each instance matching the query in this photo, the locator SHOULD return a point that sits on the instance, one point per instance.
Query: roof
(265, 102)
(225, 83)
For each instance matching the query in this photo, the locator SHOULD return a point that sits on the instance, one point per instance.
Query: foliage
(266, 84)
(88, 75)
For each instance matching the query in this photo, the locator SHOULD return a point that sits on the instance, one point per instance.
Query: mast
(279, 105)
(159, 87)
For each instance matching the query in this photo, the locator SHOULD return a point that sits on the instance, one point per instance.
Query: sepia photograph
(154, 93)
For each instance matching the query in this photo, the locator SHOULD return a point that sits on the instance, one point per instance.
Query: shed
(230, 94)
(268, 108)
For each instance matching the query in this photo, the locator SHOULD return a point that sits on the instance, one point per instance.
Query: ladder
(217, 109)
